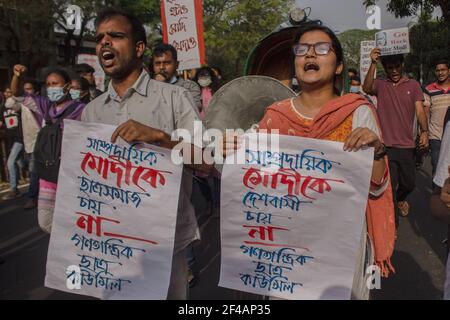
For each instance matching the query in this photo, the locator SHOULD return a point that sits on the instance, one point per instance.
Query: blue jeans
(12, 159)
(435, 146)
(33, 190)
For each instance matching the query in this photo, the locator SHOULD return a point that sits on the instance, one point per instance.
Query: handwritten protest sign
(365, 61)
(393, 41)
(182, 22)
(293, 231)
(114, 222)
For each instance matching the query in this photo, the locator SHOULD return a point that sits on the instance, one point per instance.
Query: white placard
(294, 231)
(183, 28)
(365, 61)
(393, 41)
(114, 223)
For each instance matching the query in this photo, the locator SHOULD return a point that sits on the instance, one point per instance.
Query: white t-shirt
(444, 158)
(447, 282)
(439, 179)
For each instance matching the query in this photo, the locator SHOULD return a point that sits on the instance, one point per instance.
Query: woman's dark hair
(60, 72)
(355, 78)
(83, 68)
(84, 84)
(208, 72)
(353, 70)
(36, 85)
(338, 80)
(137, 28)
(218, 71)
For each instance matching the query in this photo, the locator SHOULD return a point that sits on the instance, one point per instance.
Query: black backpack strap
(71, 108)
(47, 118)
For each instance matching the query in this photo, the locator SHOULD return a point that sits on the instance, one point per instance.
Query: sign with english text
(109, 239)
(182, 22)
(394, 41)
(292, 220)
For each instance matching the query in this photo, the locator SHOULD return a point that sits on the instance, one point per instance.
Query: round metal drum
(242, 102)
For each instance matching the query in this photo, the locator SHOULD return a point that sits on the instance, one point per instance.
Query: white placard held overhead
(393, 41)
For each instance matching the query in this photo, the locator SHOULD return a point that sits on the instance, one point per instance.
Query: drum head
(242, 102)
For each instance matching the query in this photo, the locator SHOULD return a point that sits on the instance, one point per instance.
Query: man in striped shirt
(437, 101)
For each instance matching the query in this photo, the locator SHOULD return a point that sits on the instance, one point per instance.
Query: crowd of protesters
(396, 116)
(26, 103)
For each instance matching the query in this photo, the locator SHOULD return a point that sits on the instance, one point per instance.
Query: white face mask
(204, 82)
(354, 89)
(55, 94)
(10, 103)
(75, 94)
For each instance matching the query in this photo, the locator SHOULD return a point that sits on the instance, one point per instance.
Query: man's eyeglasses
(320, 48)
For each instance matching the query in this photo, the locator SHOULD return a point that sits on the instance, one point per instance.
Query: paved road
(419, 257)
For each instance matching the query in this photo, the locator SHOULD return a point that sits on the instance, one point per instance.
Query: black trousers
(402, 167)
(403, 171)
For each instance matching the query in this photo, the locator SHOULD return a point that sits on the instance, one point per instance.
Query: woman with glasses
(321, 112)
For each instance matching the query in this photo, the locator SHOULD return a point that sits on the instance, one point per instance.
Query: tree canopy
(408, 8)
(233, 28)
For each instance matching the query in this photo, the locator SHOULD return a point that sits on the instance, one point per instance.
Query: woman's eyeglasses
(320, 48)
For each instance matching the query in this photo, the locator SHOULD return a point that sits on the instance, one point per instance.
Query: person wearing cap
(86, 71)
